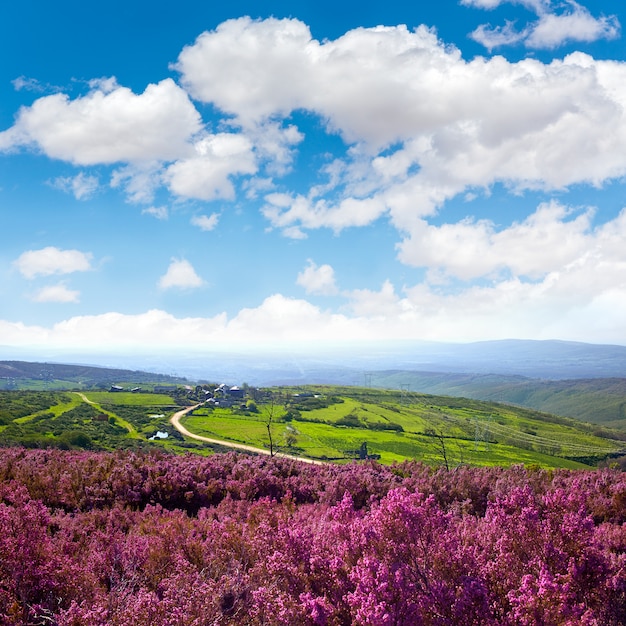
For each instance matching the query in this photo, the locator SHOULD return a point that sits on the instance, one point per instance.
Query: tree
(440, 445)
(269, 419)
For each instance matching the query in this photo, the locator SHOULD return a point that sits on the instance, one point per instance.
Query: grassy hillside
(334, 422)
(50, 376)
(322, 422)
(91, 420)
(599, 400)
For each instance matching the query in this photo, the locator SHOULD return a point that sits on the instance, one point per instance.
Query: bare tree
(440, 445)
(269, 421)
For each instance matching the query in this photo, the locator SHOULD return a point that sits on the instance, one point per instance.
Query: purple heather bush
(108, 539)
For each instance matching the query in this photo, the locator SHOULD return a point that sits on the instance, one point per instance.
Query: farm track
(132, 431)
(175, 421)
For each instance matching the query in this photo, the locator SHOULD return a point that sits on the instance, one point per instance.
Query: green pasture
(55, 410)
(328, 441)
(325, 422)
(130, 399)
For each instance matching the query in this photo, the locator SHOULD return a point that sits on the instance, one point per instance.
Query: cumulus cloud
(285, 211)
(318, 280)
(56, 293)
(206, 222)
(557, 24)
(108, 125)
(585, 301)
(207, 174)
(52, 260)
(82, 186)
(420, 123)
(180, 275)
(571, 285)
(545, 241)
(367, 303)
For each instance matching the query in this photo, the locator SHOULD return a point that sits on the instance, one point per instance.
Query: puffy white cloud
(497, 36)
(545, 241)
(584, 302)
(52, 260)
(274, 145)
(108, 125)
(56, 293)
(254, 69)
(453, 124)
(206, 222)
(206, 175)
(318, 280)
(420, 124)
(377, 304)
(180, 275)
(575, 290)
(82, 186)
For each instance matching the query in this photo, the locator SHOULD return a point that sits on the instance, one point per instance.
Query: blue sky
(251, 174)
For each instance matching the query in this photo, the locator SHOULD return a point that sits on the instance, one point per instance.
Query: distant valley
(584, 381)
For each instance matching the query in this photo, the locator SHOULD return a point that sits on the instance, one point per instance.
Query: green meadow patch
(335, 424)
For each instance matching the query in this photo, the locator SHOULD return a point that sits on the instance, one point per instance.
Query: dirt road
(175, 421)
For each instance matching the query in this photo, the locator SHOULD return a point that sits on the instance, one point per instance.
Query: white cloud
(284, 211)
(159, 212)
(252, 69)
(206, 222)
(586, 301)
(545, 241)
(455, 125)
(181, 275)
(574, 23)
(274, 145)
(51, 260)
(553, 30)
(375, 304)
(138, 180)
(318, 280)
(27, 84)
(575, 290)
(108, 126)
(420, 123)
(82, 186)
(497, 36)
(206, 175)
(56, 293)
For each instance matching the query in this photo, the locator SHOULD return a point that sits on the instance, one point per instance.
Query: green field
(106, 421)
(326, 423)
(395, 426)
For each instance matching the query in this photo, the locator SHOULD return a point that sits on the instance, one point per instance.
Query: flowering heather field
(118, 538)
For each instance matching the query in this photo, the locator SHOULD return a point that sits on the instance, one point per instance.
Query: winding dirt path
(132, 431)
(175, 421)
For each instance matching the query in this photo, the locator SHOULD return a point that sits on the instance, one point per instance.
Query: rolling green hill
(327, 423)
(332, 423)
(600, 401)
(30, 375)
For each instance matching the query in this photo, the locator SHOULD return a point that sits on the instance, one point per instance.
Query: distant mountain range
(585, 381)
